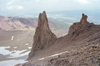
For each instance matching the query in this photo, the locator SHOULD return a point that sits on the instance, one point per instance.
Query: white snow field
(14, 53)
(11, 62)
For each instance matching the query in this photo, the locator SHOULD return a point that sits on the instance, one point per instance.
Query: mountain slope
(81, 36)
(83, 52)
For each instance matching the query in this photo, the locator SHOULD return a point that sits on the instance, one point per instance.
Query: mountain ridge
(78, 37)
(19, 23)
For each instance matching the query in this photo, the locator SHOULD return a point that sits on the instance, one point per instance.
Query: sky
(7, 7)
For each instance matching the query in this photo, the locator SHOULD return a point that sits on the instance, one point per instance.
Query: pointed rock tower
(80, 27)
(43, 37)
(83, 19)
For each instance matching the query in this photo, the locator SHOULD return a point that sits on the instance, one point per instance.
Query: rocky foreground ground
(88, 54)
(82, 45)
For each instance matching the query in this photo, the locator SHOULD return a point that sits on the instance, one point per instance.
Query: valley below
(16, 45)
(16, 37)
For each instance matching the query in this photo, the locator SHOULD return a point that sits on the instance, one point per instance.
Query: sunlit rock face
(43, 37)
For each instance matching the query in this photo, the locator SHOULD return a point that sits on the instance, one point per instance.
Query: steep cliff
(43, 37)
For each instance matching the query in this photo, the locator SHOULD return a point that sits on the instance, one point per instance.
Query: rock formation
(79, 27)
(83, 19)
(43, 37)
(82, 44)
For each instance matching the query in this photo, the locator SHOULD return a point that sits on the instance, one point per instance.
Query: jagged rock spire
(43, 37)
(83, 19)
(43, 21)
(79, 27)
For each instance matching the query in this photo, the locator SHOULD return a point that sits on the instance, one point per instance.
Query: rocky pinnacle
(80, 27)
(43, 37)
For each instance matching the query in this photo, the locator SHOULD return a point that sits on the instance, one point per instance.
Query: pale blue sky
(37, 6)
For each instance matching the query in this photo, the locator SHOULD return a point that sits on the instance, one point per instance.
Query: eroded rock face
(43, 37)
(83, 19)
(79, 27)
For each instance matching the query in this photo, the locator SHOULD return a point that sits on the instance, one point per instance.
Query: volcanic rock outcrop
(76, 27)
(83, 19)
(43, 37)
(83, 28)
(82, 44)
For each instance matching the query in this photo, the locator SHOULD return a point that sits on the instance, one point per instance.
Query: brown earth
(82, 44)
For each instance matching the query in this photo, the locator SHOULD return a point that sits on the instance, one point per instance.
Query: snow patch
(3, 50)
(11, 62)
(25, 53)
(14, 53)
(15, 47)
(53, 55)
(29, 47)
(8, 47)
(12, 38)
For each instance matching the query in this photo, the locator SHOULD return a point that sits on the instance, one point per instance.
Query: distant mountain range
(10, 23)
(57, 19)
(17, 23)
(61, 16)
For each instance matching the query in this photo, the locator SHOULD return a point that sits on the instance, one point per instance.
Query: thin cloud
(18, 7)
(11, 2)
(37, 6)
(83, 1)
